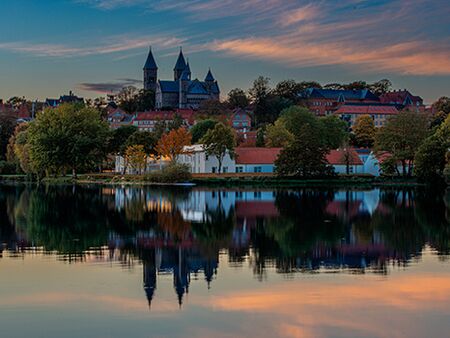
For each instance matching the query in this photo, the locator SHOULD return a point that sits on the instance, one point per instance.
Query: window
(257, 194)
(225, 170)
(350, 169)
(213, 170)
(206, 158)
(239, 169)
(257, 169)
(239, 194)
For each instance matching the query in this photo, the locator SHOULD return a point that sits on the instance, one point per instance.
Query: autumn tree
(172, 144)
(136, 157)
(364, 130)
(401, 136)
(219, 142)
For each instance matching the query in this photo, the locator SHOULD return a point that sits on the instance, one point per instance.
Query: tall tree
(7, 125)
(277, 135)
(172, 144)
(402, 136)
(237, 99)
(71, 136)
(364, 130)
(118, 138)
(201, 128)
(218, 142)
(334, 131)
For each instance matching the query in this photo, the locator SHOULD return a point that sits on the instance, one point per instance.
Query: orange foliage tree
(171, 144)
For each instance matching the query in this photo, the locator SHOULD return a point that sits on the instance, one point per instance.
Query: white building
(196, 158)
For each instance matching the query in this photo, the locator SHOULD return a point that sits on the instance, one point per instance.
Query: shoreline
(272, 181)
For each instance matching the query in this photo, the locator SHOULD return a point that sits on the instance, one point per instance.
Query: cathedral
(182, 92)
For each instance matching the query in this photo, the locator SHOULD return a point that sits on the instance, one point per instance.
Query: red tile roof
(366, 109)
(186, 114)
(256, 155)
(336, 157)
(399, 97)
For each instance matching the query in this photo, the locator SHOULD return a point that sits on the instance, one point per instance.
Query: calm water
(189, 262)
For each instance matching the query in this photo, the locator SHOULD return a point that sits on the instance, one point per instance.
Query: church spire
(180, 66)
(150, 63)
(209, 77)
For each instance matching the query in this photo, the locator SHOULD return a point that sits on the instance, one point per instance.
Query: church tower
(180, 66)
(150, 72)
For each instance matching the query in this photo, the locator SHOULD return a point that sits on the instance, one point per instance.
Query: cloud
(113, 45)
(108, 87)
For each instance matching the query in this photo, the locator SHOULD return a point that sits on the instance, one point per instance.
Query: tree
(277, 135)
(441, 109)
(145, 100)
(295, 117)
(218, 142)
(7, 125)
(288, 89)
(118, 138)
(430, 159)
(304, 157)
(176, 122)
(334, 132)
(172, 144)
(145, 139)
(127, 99)
(71, 136)
(212, 108)
(380, 87)
(260, 90)
(364, 130)
(401, 136)
(237, 99)
(136, 157)
(201, 128)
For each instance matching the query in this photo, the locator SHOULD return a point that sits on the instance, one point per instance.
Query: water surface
(145, 262)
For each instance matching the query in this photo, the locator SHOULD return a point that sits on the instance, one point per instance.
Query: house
(256, 159)
(326, 101)
(147, 120)
(118, 118)
(71, 98)
(343, 159)
(378, 112)
(403, 99)
(241, 120)
(196, 158)
(182, 92)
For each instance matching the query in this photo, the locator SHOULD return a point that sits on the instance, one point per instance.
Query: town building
(196, 158)
(182, 92)
(403, 100)
(146, 121)
(70, 98)
(118, 118)
(379, 112)
(326, 101)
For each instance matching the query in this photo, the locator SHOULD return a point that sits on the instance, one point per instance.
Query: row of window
(238, 169)
(319, 103)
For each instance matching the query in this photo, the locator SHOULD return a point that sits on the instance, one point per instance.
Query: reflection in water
(181, 232)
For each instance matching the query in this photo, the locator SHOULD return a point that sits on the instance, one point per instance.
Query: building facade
(378, 112)
(182, 92)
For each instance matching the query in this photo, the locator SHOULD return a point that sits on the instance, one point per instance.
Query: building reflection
(182, 232)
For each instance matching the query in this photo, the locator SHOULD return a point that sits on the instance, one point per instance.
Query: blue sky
(49, 47)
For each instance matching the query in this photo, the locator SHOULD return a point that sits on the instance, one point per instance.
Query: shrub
(173, 173)
(7, 168)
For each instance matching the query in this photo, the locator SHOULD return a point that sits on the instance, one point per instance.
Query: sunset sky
(49, 47)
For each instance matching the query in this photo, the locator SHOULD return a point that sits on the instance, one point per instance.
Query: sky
(49, 47)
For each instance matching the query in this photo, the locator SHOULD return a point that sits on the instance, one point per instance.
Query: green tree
(305, 156)
(287, 89)
(237, 99)
(295, 117)
(127, 99)
(277, 135)
(441, 109)
(7, 125)
(364, 130)
(401, 136)
(380, 87)
(218, 142)
(176, 122)
(71, 136)
(334, 131)
(201, 128)
(430, 159)
(118, 138)
(145, 139)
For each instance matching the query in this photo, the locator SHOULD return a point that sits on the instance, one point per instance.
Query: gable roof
(400, 97)
(197, 87)
(337, 157)
(339, 95)
(366, 109)
(209, 77)
(150, 63)
(256, 155)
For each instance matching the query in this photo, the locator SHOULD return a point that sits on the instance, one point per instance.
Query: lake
(110, 261)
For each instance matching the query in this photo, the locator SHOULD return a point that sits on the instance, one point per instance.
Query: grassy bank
(223, 181)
